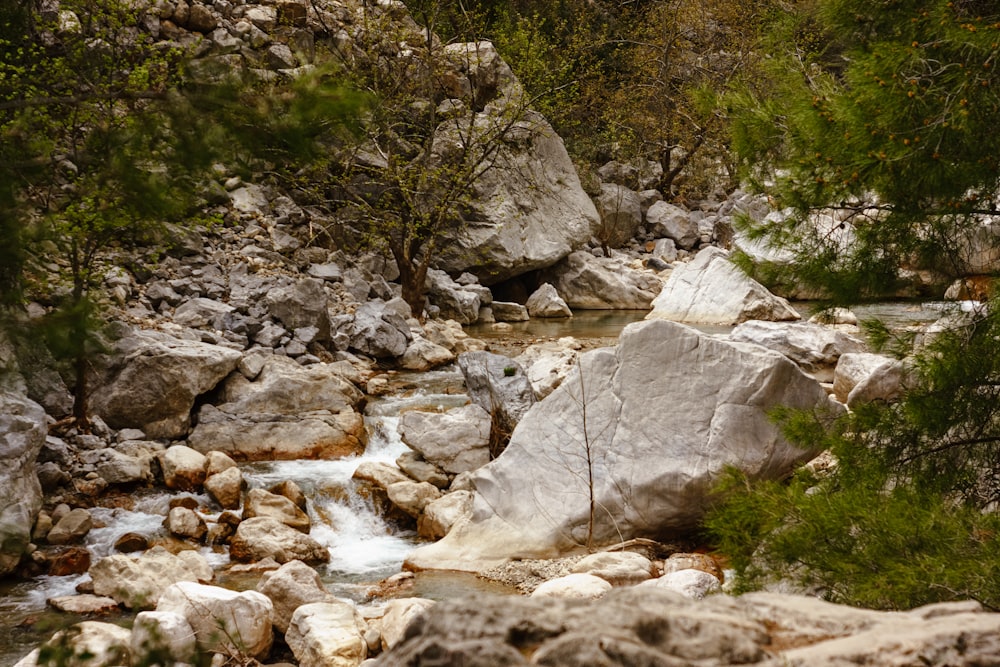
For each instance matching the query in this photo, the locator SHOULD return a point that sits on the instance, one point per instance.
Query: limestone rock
(886, 383)
(398, 615)
(223, 621)
(505, 311)
(138, 583)
(669, 221)
(150, 381)
(183, 522)
(71, 528)
(423, 355)
(301, 304)
(601, 283)
(455, 301)
(83, 604)
(621, 214)
(289, 587)
(527, 222)
(201, 312)
(440, 515)
(618, 568)
(22, 435)
(852, 369)
(379, 329)
(263, 503)
(107, 644)
(711, 290)
(326, 634)
(165, 634)
(814, 347)
(577, 586)
(379, 473)
(261, 437)
(546, 302)
(183, 468)
(226, 487)
(412, 497)
(456, 441)
(265, 537)
(694, 584)
(655, 430)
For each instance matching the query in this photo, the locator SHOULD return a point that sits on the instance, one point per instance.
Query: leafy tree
(408, 183)
(879, 118)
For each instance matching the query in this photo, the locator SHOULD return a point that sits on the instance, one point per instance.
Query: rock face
(527, 216)
(151, 380)
(601, 283)
(22, 435)
(710, 290)
(666, 412)
(642, 626)
(498, 385)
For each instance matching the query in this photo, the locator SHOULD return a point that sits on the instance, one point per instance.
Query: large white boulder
(327, 634)
(139, 582)
(667, 411)
(224, 621)
(22, 435)
(150, 381)
(711, 290)
(163, 634)
(601, 283)
(579, 585)
(527, 215)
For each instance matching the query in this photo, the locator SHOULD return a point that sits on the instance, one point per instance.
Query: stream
(364, 548)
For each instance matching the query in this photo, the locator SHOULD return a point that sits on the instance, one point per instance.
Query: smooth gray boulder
(23, 430)
(151, 380)
(601, 283)
(814, 347)
(527, 215)
(327, 634)
(287, 411)
(289, 587)
(853, 369)
(546, 302)
(621, 214)
(672, 222)
(456, 441)
(711, 290)
(667, 411)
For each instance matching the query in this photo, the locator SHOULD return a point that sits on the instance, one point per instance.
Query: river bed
(363, 547)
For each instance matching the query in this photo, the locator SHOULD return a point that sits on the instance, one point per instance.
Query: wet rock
(183, 522)
(226, 488)
(73, 560)
(72, 527)
(261, 503)
(264, 537)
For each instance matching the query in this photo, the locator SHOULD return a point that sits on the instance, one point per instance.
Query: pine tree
(881, 117)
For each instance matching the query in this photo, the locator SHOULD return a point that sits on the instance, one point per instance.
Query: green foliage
(908, 515)
(889, 129)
